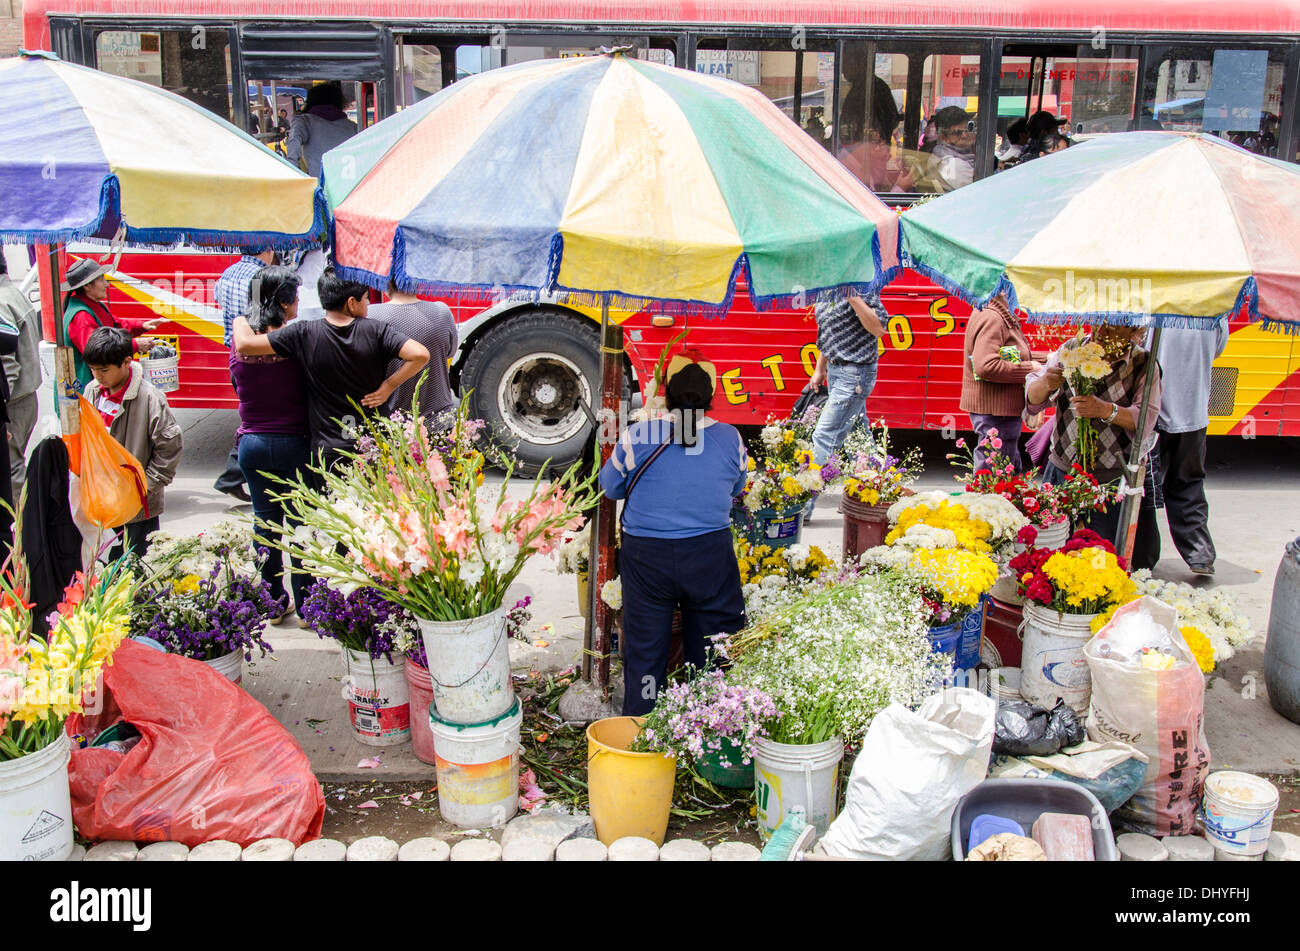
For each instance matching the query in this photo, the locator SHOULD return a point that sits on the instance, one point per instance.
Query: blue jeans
(282, 456)
(849, 385)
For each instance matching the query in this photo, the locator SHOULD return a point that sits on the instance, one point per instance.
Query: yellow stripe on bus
(199, 325)
(1263, 360)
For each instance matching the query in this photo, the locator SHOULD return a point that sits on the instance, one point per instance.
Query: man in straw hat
(85, 310)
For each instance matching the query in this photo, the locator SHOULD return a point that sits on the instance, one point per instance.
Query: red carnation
(1027, 535)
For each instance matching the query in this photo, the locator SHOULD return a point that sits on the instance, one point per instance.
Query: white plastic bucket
(164, 372)
(230, 666)
(36, 806)
(1238, 812)
(478, 768)
(1004, 683)
(1052, 664)
(379, 699)
(788, 775)
(469, 664)
(1054, 535)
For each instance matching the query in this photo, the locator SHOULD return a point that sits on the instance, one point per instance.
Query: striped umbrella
(83, 153)
(609, 178)
(1133, 228)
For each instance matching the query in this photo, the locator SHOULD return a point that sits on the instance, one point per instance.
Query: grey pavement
(1254, 497)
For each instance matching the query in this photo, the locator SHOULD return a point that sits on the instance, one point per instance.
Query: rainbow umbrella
(85, 154)
(609, 178)
(1157, 228)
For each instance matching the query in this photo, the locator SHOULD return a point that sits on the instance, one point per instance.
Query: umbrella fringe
(167, 238)
(1290, 327)
(1247, 296)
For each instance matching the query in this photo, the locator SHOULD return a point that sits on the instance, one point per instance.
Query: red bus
(862, 77)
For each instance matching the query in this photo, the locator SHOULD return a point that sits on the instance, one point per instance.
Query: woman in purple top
(272, 435)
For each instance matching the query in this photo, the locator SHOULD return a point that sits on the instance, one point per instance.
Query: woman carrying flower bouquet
(997, 360)
(1098, 424)
(677, 477)
(272, 439)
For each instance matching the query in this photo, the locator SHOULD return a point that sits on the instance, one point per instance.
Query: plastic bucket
(230, 666)
(788, 775)
(945, 638)
(420, 689)
(1054, 535)
(584, 594)
(36, 806)
(164, 372)
(768, 526)
(379, 703)
(1238, 812)
(1002, 633)
(735, 775)
(469, 665)
(1052, 664)
(1004, 683)
(865, 526)
(630, 793)
(478, 768)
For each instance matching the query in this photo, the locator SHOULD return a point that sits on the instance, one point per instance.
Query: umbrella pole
(1135, 471)
(601, 554)
(65, 373)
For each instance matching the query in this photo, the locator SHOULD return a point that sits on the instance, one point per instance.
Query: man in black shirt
(343, 357)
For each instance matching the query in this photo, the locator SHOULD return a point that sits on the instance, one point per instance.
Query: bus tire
(527, 378)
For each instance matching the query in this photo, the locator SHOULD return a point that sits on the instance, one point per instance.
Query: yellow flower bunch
(857, 489)
(796, 562)
(1200, 647)
(1087, 581)
(1087, 360)
(972, 534)
(957, 577)
(186, 585)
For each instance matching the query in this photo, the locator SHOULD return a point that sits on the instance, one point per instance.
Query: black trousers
(697, 575)
(1182, 470)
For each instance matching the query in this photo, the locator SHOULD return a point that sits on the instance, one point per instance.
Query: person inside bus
(344, 360)
(1043, 128)
(272, 437)
(322, 125)
(85, 310)
(1111, 410)
(1013, 143)
(952, 162)
(677, 477)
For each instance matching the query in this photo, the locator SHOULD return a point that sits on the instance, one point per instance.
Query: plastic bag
(212, 762)
(1161, 712)
(113, 486)
(1110, 771)
(912, 771)
(1026, 730)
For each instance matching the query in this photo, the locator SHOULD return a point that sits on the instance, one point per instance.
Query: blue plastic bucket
(972, 634)
(944, 640)
(768, 526)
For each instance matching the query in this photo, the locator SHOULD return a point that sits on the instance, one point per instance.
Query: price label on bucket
(786, 527)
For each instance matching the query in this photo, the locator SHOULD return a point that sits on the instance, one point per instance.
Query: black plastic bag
(808, 399)
(1023, 729)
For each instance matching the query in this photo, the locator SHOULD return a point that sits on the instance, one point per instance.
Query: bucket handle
(483, 666)
(1020, 628)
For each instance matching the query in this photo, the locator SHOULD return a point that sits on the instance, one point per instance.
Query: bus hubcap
(541, 397)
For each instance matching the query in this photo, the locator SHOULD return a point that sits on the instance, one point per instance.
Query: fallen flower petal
(368, 804)
(371, 762)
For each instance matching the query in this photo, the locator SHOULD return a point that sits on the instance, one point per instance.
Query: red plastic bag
(211, 763)
(113, 485)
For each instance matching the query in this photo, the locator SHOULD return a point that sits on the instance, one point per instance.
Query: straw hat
(82, 272)
(690, 358)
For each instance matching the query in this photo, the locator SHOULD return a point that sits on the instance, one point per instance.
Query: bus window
(800, 81)
(908, 115)
(193, 62)
(1233, 93)
(419, 72)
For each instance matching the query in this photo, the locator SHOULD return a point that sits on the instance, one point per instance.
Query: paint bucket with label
(787, 775)
(36, 806)
(1238, 812)
(1052, 666)
(379, 700)
(478, 768)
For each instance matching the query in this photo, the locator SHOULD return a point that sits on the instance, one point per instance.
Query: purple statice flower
(217, 619)
(361, 621)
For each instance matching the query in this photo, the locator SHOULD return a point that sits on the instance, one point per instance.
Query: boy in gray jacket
(138, 417)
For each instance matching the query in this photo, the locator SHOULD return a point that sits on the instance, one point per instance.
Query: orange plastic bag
(212, 763)
(113, 486)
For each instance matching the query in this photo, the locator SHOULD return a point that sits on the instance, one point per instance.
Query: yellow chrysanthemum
(1200, 647)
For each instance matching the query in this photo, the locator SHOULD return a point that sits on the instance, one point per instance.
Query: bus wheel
(530, 376)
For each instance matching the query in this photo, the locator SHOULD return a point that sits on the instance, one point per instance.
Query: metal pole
(1134, 473)
(65, 373)
(601, 554)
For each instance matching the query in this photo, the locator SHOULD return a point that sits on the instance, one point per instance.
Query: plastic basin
(1023, 801)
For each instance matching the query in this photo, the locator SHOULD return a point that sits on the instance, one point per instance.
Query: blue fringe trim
(166, 238)
(617, 299)
(1291, 327)
(1247, 296)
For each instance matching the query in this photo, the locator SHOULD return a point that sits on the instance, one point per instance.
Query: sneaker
(238, 492)
(1202, 569)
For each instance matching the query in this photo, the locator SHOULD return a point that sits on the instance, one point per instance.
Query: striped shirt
(840, 334)
(232, 290)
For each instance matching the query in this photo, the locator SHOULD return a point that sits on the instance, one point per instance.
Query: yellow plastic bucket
(630, 793)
